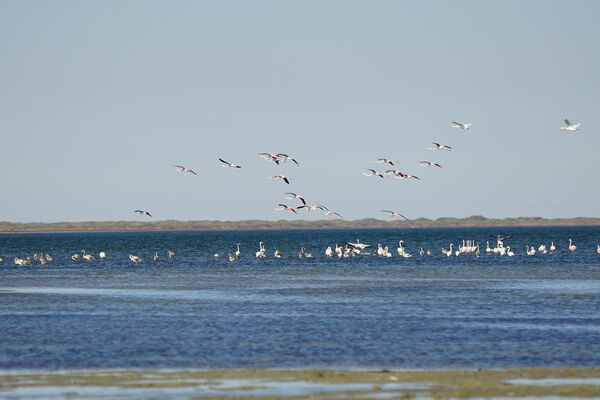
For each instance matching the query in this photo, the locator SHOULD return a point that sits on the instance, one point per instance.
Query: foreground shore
(300, 384)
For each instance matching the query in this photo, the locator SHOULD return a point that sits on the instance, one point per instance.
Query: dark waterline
(193, 311)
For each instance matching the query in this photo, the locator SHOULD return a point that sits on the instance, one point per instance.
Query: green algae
(434, 384)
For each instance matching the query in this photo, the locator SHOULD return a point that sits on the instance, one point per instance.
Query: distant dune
(104, 226)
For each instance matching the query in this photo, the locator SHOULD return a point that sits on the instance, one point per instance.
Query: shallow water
(193, 311)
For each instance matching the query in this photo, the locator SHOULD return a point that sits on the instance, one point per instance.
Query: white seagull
(439, 147)
(142, 212)
(285, 178)
(394, 214)
(181, 168)
(461, 126)
(570, 126)
(429, 164)
(228, 164)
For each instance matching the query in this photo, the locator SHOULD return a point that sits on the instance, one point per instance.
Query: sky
(99, 99)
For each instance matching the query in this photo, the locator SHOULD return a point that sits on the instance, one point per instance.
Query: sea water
(196, 311)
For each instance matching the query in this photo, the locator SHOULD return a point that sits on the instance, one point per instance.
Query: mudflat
(303, 383)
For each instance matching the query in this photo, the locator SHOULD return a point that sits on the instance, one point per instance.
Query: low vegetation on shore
(103, 226)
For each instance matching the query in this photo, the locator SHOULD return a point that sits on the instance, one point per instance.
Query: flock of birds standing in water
(468, 247)
(349, 249)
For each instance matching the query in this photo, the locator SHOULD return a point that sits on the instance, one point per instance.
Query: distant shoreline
(172, 225)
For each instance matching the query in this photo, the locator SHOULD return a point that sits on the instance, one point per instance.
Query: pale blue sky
(98, 99)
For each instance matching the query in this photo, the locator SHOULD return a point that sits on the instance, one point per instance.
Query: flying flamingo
(429, 164)
(142, 212)
(394, 214)
(284, 207)
(228, 164)
(373, 172)
(286, 157)
(461, 126)
(270, 157)
(181, 168)
(296, 196)
(570, 126)
(384, 161)
(285, 178)
(439, 147)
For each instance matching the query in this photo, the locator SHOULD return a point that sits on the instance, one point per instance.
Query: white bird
(572, 247)
(328, 252)
(102, 255)
(384, 161)
(238, 253)
(285, 178)
(228, 164)
(358, 245)
(373, 172)
(19, 261)
(530, 251)
(401, 175)
(429, 164)
(75, 257)
(598, 249)
(270, 157)
(296, 196)
(286, 158)
(261, 252)
(135, 259)
(277, 254)
(312, 208)
(142, 212)
(461, 126)
(49, 257)
(570, 126)
(394, 214)
(231, 258)
(284, 207)
(552, 247)
(86, 256)
(439, 147)
(181, 168)
(488, 250)
(155, 256)
(171, 253)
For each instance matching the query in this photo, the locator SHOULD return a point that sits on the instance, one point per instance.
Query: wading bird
(461, 126)
(284, 207)
(570, 126)
(228, 164)
(296, 196)
(373, 172)
(429, 164)
(135, 259)
(285, 178)
(394, 214)
(384, 161)
(286, 158)
(181, 168)
(270, 157)
(439, 147)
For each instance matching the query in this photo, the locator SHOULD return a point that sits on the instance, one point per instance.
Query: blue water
(193, 311)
